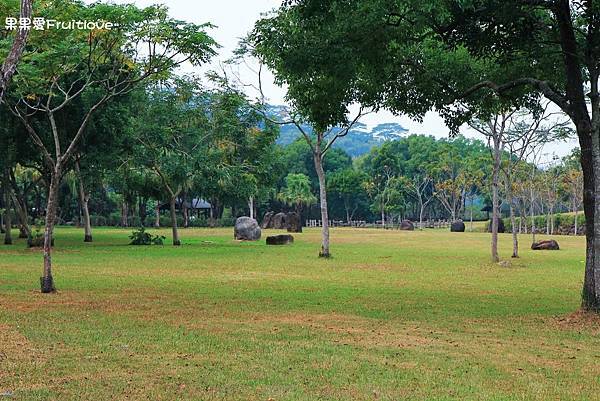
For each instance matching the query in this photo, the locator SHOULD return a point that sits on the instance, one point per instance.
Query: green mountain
(359, 140)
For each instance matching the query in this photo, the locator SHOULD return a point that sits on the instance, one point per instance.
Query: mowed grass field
(392, 316)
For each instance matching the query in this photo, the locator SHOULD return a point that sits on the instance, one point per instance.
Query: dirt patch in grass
(80, 301)
(15, 351)
(580, 320)
(12, 344)
(341, 329)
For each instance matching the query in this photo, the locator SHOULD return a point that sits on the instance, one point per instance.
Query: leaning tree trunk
(21, 210)
(176, 241)
(46, 281)
(318, 158)
(9, 67)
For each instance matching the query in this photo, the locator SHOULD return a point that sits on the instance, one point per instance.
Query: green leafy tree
(98, 66)
(460, 58)
(349, 186)
(297, 192)
(327, 121)
(172, 137)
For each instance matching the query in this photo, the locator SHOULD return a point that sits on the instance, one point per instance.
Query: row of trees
(105, 109)
(72, 78)
(190, 143)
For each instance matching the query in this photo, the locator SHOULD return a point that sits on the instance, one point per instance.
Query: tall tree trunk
(84, 199)
(185, 212)
(521, 220)
(142, 210)
(495, 198)
(211, 214)
(576, 215)
(590, 163)
(552, 219)
(157, 215)
(532, 214)
(21, 210)
(515, 234)
(46, 281)
(7, 214)
(348, 217)
(124, 214)
(251, 206)
(471, 217)
(513, 219)
(176, 241)
(318, 158)
(87, 222)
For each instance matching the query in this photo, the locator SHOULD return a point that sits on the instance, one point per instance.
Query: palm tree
(297, 192)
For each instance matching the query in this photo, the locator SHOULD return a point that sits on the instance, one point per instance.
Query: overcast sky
(235, 18)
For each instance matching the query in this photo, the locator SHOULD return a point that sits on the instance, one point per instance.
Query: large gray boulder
(501, 227)
(294, 223)
(280, 221)
(246, 229)
(548, 245)
(407, 225)
(283, 239)
(267, 221)
(457, 227)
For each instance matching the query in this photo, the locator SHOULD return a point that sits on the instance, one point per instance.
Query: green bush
(141, 237)
(36, 239)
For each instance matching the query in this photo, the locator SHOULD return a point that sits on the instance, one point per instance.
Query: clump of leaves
(36, 239)
(141, 237)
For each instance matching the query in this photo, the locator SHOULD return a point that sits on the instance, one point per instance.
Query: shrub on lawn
(36, 239)
(141, 237)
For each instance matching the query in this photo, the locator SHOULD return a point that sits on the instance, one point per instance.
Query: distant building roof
(195, 204)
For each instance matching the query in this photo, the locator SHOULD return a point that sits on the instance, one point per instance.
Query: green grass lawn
(393, 316)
